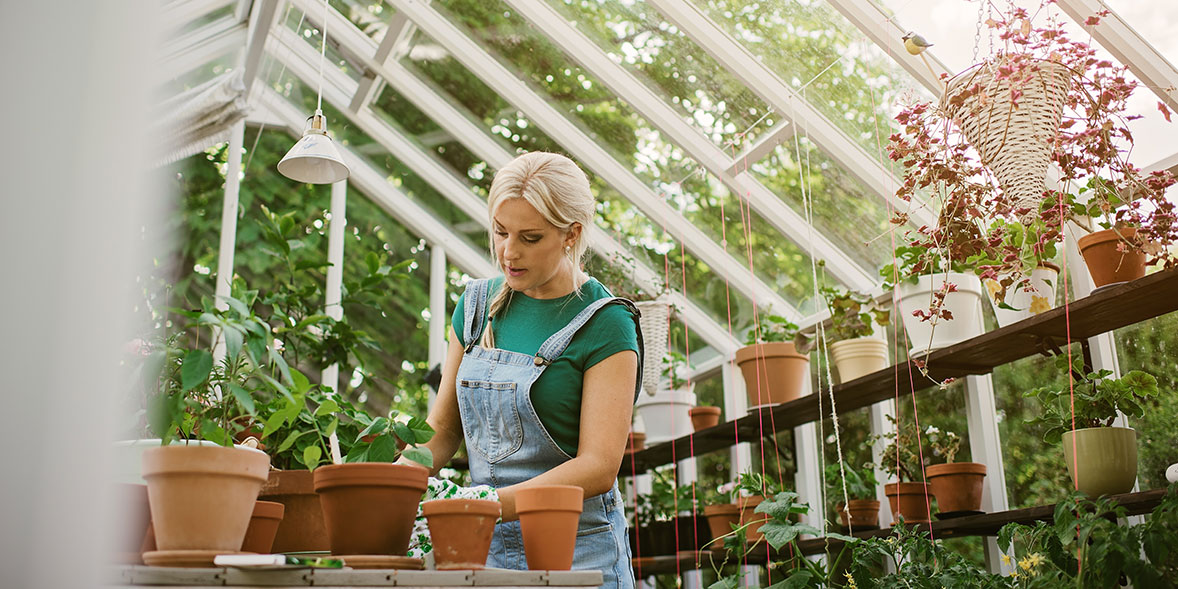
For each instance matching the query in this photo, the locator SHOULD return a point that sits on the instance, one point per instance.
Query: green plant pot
(1105, 460)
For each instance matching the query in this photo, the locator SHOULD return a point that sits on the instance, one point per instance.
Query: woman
(542, 393)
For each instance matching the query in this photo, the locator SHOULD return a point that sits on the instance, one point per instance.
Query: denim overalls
(507, 444)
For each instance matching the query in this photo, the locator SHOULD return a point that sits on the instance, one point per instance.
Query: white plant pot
(665, 415)
(1029, 300)
(858, 357)
(965, 304)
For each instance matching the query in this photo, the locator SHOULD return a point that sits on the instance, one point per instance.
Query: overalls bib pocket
(490, 418)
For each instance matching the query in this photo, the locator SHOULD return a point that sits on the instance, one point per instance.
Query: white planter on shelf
(666, 414)
(965, 305)
(1030, 299)
(858, 357)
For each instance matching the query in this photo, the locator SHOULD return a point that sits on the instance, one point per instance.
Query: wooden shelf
(986, 524)
(1110, 308)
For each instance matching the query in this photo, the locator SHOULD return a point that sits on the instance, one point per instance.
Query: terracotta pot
(132, 504)
(1105, 262)
(202, 496)
(548, 517)
(721, 518)
(369, 508)
(774, 373)
(1106, 458)
(854, 358)
(863, 514)
(748, 514)
(259, 536)
(461, 530)
(302, 528)
(908, 500)
(704, 417)
(635, 442)
(957, 486)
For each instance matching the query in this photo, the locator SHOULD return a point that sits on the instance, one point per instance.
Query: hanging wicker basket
(1013, 137)
(655, 328)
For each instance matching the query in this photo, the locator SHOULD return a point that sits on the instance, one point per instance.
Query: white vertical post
(881, 425)
(224, 280)
(333, 306)
(808, 452)
(735, 407)
(985, 444)
(437, 312)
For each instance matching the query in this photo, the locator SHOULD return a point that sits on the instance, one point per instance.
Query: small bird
(915, 44)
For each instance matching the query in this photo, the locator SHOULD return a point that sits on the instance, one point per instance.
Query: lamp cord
(322, 54)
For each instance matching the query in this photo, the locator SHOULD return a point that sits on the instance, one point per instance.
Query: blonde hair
(559, 190)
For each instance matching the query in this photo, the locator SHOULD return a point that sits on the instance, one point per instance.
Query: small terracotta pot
(863, 514)
(957, 486)
(259, 536)
(461, 530)
(748, 514)
(548, 517)
(721, 518)
(302, 528)
(202, 496)
(369, 508)
(908, 500)
(1105, 262)
(635, 442)
(774, 373)
(1106, 457)
(704, 417)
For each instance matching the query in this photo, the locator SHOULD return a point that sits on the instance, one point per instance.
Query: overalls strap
(554, 346)
(475, 310)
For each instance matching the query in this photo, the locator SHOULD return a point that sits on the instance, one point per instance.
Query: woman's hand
(607, 403)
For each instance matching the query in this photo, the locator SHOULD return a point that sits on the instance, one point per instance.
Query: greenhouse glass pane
(631, 141)
(370, 16)
(816, 51)
(224, 12)
(298, 22)
(201, 74)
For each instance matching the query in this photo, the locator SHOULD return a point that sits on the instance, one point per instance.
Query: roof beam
(886, 33)
(337, 86)
(766, 84)
(397, 37)
(765, 143)
(373, 182)
(580, 48)
(262, 18)
(202, 46)
(1128, 46)
(597, 159)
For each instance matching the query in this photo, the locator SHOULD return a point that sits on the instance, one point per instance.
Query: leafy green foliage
(771, 328)
(860, 481)
(852, 314)
(388, 438)
(1094, 402)
(901, 458)
(918, 562)
(297, 429)
(666, 501)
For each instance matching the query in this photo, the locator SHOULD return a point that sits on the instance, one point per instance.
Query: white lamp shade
(314, 160)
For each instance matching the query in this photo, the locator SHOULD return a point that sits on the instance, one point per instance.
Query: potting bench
(137, 576)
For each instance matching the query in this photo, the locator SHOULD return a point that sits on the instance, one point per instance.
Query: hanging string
(322, 57)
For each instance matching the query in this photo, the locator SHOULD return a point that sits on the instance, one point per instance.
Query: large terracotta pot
(774, 373)
(302, 528)
(259, 536)
(748, 515)
(860, 514)
(704, 417)
(908, 500)
(460, 531)
(1105, 262)
(964, 304)
(854, 358)
(1105, 459)
(369, 508)
(548, 517)
(721, 518)
(957, 486)
(202, 496)
(635, 442)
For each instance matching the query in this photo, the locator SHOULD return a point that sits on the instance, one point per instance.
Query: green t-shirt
(527, 323)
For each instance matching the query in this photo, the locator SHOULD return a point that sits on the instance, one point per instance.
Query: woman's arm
(607, 402)
(444, 416)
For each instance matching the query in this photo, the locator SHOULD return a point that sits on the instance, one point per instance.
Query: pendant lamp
(315, 158)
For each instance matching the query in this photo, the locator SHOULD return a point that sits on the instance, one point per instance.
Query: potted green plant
(744, 494)
(861, 510)
(934, 290)
(666, 414)
(782, 530)
(202, 496)
(854, 349)
(956, 485)
(1101, 458)
(774, 370)
(370, 503)
(666, 518)
(908, 499)
(1030, 290)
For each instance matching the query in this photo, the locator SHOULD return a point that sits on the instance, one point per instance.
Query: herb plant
(1097, 399)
